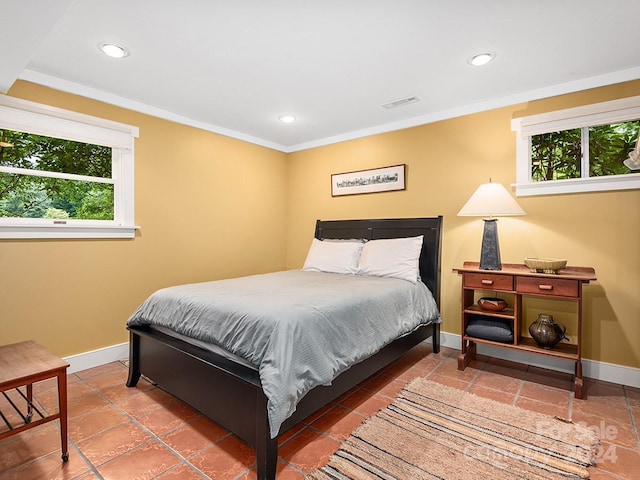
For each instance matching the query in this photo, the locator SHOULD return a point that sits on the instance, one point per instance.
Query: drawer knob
(487, 282)
(545, 287)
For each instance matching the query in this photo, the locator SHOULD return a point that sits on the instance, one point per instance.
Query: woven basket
(545, 265)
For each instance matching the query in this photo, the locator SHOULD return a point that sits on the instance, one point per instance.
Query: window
(63, 174)
(578, 150)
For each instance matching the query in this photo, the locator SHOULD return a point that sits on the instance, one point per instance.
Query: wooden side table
(22, 365)
(516, 282)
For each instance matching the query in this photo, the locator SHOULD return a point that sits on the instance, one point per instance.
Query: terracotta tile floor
(124, 433)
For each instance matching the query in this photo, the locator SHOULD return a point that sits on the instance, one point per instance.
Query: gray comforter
(299, 328)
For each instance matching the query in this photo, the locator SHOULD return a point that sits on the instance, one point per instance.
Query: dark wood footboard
(220, 389)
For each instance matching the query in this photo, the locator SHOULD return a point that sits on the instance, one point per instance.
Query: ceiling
(235, 66)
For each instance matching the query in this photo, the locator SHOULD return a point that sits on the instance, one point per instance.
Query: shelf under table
(561, 350)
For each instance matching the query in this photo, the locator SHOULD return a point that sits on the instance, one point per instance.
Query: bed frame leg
(267, 459)
(134, 363)
(266, 447)
(435, 338)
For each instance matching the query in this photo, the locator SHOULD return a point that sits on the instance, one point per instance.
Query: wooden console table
(22, 365)
(517, 281)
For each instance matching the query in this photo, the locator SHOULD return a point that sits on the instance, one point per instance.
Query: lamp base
(490, 253)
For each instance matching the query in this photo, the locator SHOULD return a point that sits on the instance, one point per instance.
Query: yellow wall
(212, 207)
(209, 207)
(446, 161)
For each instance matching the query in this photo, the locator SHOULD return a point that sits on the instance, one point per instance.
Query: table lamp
(490, 200)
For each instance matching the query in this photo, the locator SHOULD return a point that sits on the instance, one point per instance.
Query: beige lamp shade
(491, 200)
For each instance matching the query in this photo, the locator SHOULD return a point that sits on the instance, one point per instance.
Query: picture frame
(384, 179)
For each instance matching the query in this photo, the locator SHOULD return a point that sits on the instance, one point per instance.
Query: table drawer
(547, 286)
(488, 281)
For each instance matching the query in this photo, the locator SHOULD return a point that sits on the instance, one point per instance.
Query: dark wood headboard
(430, 228)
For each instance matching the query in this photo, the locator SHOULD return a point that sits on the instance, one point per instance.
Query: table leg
(62, 405)
(467, 354)
(577, 383)
(29, 403)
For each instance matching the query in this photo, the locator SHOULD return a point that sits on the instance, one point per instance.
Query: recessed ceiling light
(481, 59)
(287, 118)
(115, 51)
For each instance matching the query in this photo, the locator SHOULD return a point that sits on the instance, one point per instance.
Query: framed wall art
(383, 179)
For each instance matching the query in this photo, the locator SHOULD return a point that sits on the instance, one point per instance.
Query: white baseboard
(607, 372)
(95, 358)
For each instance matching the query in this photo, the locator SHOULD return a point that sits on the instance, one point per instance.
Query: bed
(221, 384)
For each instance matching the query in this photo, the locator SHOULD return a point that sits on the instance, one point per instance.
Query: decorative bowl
(492, 304)
(545, 265)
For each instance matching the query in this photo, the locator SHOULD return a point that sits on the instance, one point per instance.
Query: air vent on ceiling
(401, 102)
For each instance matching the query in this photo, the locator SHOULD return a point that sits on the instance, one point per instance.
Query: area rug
(432, 431)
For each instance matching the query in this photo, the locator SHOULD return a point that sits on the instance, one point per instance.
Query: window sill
(67, 231)
(579, 185)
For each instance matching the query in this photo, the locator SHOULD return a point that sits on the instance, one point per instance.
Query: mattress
(300, 329)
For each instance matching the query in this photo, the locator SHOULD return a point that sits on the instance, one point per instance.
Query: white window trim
(25, 116)
(622, 110)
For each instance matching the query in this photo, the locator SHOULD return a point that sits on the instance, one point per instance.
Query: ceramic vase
(546, 332)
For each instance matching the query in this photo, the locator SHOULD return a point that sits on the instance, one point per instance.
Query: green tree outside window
(42, 194)
(558, 155)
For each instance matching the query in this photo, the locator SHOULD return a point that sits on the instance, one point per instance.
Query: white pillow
(393, 257)
(333, 257)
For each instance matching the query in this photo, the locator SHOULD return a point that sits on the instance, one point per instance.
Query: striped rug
(432, 431)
